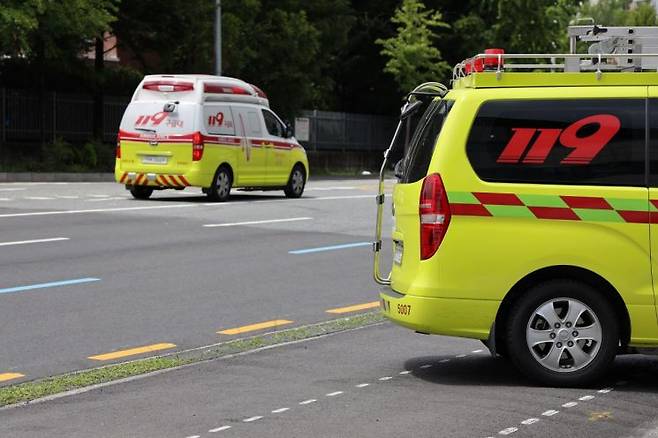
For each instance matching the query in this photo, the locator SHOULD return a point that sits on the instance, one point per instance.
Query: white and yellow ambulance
(211, 132)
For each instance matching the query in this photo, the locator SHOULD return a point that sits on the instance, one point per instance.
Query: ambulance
(212, 132)
(526, 205)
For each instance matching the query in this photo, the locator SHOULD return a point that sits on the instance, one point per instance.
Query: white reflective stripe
(432, 219)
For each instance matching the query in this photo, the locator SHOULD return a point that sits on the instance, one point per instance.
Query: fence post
(315, 130)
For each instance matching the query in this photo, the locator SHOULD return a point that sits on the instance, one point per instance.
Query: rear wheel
(562, 333)
(141, 192)
(221, 186)
(296, 182)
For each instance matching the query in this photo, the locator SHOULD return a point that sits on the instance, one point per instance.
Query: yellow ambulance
(211, 132)
(526, 206)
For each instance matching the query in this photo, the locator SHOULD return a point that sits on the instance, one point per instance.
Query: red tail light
(434, 214)
(197, 146)
(118, 150)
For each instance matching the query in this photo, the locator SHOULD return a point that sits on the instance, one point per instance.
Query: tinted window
(597, 141)
(653, 142)
(421, 149)
(274, 127)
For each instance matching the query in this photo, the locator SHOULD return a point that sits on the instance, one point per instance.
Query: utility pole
(218, 37)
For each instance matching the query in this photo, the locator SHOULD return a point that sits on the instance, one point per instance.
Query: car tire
(562, 333)
(141, 192)
(296, 182)
(220, 189)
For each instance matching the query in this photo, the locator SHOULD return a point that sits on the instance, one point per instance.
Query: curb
(55, 177)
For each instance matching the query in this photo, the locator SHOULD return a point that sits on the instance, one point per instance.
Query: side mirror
(410, 109)
(288, 131)
(399, 169)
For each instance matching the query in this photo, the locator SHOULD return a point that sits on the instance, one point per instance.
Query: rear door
(279, 149)
(156, 141)
(252, 161)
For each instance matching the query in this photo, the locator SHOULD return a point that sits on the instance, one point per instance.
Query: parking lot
(90, 276)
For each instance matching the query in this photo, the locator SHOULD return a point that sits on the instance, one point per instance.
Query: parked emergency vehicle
(211, 132)
(526, 207)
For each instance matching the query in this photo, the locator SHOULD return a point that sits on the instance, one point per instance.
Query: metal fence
(28, 119)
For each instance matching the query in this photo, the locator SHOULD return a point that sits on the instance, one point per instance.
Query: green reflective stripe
(629, 204)
(593, 215)
(462, 198)
(510, 211)
(542, 201)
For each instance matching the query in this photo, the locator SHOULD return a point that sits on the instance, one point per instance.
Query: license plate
(154, 159)
(397, 253)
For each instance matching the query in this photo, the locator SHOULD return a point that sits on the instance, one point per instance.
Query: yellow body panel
(264, 166)
(458, 291)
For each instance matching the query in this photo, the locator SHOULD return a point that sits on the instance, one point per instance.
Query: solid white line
(278, 411)
(270, 221)
(307, 402)
(250, 419)
(5, 199)
(550, 413)
(362, 385)
(586, 398)
(67, 197)
(333, 394)
(99, 196)
(324, 189)
(12, 189)
(95, 210)
(530, 421)
(219, 429)
(38, 198)
(25, 242)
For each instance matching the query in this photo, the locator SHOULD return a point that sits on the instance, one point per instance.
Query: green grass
(28, 391)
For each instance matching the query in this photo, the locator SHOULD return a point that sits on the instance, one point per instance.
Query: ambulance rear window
(584, 141)
(151, 117)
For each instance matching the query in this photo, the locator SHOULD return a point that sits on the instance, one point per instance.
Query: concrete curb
(55, 177)
(6, 177)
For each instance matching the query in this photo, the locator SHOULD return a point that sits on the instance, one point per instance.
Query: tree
(644, 14)
(605, 12)
(412, 57)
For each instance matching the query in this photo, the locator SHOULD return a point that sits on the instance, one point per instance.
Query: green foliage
(644, 14)
(52, 29)
(605, 12)
(412, 57)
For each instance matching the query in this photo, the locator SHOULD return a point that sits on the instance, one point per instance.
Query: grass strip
(29, 391)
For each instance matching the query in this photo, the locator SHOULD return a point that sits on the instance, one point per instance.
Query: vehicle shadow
(235, 198)
(629, 373)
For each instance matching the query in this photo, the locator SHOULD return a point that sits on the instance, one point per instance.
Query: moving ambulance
(526, 207)
(211, 132)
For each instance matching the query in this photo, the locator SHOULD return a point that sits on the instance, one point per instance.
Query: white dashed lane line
(553, 412)
(329, 395)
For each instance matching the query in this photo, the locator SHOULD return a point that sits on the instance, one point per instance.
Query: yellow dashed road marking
(10, 376)
(132, 351)
(253, 327)
(597, 416)
(355, 308)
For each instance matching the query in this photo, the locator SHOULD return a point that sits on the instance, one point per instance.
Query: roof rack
(620, 49)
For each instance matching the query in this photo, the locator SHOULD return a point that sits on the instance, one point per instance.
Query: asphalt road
(136, 274)
(380, 381)
(85, 271)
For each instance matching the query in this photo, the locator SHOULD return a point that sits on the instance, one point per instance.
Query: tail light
(434, 214)
(197, 146)
(168, 86)
(118, 150)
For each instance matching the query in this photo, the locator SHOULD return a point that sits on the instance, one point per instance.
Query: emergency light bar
(610, 49)
(168, 86)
